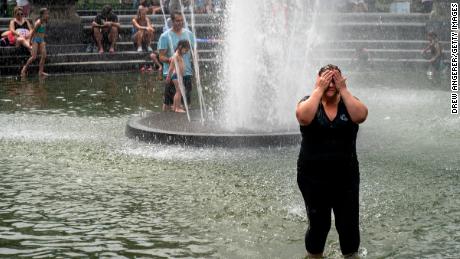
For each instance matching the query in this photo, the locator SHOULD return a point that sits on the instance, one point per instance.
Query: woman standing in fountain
(38, 43)
(327, 167)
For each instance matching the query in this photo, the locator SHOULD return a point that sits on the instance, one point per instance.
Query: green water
(72, 185)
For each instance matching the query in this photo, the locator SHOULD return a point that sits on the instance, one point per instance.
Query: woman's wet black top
(324, 140)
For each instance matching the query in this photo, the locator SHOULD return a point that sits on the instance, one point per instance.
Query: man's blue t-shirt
(164, 44)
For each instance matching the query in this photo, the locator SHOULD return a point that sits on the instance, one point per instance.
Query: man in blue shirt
(166, 47)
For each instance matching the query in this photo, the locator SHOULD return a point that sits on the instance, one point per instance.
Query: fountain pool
(72, 184)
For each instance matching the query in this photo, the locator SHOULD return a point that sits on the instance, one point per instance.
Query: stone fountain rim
(153, 134)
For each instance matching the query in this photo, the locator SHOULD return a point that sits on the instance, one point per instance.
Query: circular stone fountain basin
(174, 128)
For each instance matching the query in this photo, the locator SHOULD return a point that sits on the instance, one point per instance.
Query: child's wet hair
(43, 11)
(183, 44)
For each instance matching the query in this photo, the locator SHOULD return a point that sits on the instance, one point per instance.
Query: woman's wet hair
(183, 44)
(139, 10)
(328, 67)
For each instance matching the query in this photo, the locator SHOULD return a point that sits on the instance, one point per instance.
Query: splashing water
(267, 64)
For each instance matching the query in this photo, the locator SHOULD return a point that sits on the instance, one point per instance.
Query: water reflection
(145, 90)
(83, 95)
(28, 94)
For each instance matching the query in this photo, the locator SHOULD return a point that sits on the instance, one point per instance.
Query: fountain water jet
(267, 65)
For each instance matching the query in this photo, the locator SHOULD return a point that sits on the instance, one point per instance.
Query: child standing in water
(38, 43)
(176, 73)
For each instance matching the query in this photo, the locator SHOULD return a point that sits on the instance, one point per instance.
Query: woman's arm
(306, 110)
(356, 109)
(136, 25)
(12, 28)
(149, 25)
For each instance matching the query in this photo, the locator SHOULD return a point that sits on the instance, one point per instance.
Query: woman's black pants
(330, 187)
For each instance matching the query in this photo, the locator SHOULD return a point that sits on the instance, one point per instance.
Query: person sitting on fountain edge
(327, 166)
(166, 45)
(105, 28)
